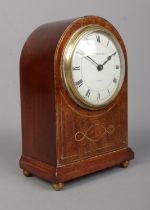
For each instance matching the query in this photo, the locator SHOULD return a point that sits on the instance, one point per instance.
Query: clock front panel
(92, 102)
(87, 134)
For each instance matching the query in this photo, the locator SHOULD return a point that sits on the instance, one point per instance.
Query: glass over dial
(93, 67)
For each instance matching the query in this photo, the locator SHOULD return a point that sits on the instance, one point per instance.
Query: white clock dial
(97, 67)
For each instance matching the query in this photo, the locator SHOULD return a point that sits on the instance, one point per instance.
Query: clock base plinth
(62, 173)
(125, 164)
(58, 186)
(27, 173)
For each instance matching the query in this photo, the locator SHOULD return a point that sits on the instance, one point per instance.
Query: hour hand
(109, 58)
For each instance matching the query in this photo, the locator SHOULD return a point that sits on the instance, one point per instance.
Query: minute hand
(91, 60)
(109, 58)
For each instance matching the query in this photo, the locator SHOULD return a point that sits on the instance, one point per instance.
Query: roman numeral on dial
(117, 66)
(108, 43)
(98, 96)
(115, 80)
(76, 68)
(79, 83)
(98, 38)
(88, 93)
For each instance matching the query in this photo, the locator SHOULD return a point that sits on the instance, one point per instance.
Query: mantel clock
(73, 82)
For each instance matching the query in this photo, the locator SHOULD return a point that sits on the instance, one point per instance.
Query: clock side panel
(82, 133)
(38, 94)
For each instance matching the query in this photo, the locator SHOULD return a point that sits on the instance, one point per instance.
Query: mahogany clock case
(61, 140)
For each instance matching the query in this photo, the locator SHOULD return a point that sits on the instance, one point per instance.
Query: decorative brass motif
(80, 136)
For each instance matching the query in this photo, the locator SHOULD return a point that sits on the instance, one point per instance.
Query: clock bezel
(66, 66)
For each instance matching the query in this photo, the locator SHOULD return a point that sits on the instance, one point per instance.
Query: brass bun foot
(58, 186)
(27, 173)
(125, 164)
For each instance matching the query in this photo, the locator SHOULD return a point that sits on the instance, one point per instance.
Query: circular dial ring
(67, 65)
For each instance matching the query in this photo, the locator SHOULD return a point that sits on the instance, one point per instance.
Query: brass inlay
(80, 136)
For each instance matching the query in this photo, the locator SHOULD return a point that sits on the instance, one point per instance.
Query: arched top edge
(43, 40)
(49, 39)
(83, 21)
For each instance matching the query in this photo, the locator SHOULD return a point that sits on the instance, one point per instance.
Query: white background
(118, 189)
